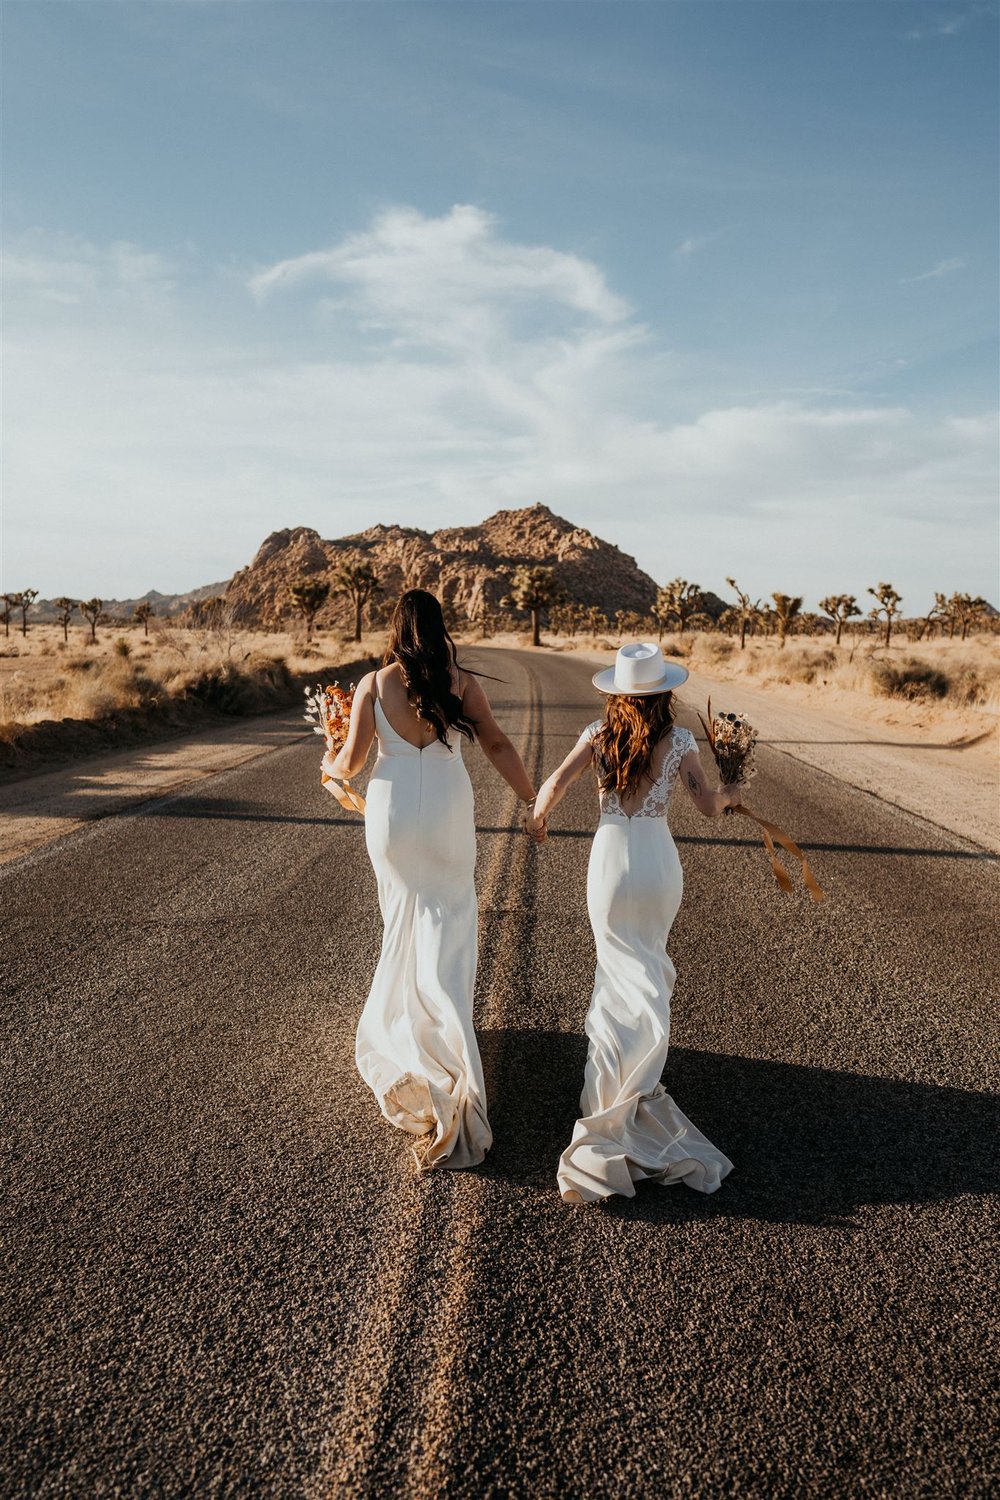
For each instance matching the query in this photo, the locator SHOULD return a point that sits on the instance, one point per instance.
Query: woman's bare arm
(493, 742)
(710, 804)
(559, 783)
(350, 759)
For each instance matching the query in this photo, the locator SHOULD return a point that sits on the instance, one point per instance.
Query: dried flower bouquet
(328, 709)
(732, 740)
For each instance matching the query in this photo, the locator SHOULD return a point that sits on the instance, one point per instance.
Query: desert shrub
(972, 686)
(231, 689)
(674, 645)
(716, 647)
(908, 679)
(10, 651)
(93, 698)
(79, 664)
(122, 648)
(803, 665)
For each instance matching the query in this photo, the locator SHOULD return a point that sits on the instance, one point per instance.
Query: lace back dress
(629, 1126)
(416, 1047)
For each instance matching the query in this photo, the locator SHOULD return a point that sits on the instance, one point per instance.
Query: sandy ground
(941, 764)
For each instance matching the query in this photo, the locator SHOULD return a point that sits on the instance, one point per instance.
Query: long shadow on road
(228, 811)
(809, 1146)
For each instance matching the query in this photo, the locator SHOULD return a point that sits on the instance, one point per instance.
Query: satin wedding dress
(630, 1128)
(416, 1047)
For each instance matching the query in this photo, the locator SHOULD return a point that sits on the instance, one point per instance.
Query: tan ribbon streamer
(345, 794)
(773, 835)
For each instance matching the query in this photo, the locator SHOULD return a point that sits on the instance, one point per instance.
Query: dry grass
(963, 674)
(44, 678)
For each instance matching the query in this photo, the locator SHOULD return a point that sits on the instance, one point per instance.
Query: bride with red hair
(629, 1126)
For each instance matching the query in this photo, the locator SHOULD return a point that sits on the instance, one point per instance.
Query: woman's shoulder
(683, 739)
(591, 729)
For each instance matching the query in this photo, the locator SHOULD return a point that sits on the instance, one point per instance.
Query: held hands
(533, 825)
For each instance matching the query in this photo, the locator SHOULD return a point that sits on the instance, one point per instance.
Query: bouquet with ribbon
(732, 740)
(328, 709)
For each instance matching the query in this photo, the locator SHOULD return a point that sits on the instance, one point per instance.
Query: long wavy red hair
(624, 744)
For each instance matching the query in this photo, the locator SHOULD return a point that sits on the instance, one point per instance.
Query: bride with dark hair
(416, 1046)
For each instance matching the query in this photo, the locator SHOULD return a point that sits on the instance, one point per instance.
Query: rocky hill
(469, 567)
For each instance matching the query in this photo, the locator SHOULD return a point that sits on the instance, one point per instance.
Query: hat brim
(604, 682)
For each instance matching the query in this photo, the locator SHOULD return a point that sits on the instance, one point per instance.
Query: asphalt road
(221, 1278)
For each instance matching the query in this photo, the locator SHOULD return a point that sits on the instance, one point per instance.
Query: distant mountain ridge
(470, 568)
(165, 606)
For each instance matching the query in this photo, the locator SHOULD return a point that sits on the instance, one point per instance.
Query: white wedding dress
(416, 1047)
(630, 1128)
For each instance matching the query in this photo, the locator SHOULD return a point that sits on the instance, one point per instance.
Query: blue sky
(716, 280)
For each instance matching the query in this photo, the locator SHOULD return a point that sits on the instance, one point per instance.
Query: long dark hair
(624, 744)
(421, 646)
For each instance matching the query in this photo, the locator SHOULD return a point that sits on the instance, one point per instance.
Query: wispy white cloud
(689, 247)
(943, 268)
(947, 26)
(160, 456)
(451, 280)
(68, 269)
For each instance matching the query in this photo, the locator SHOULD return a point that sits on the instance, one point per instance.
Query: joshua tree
(745, 610)
(594, 619)
(144, 611)
(23, 601)
(677, 600)
(309, 598)
(887, 602)
(358, 580)
(840, 608)
(785, 609)
(65, 608)
(938, 614)
(6, 610)
(967, 611)
(534, 589)
(91, 611)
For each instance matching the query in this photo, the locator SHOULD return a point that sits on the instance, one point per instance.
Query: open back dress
(416, 1047)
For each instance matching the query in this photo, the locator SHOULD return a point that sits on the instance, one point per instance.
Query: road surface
(221, 1277)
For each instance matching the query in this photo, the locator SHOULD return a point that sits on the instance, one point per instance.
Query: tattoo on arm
(694, 783)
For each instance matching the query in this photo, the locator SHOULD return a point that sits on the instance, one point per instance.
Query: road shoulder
(39, 809)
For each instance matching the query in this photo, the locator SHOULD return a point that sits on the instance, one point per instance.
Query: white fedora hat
(639, 671)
